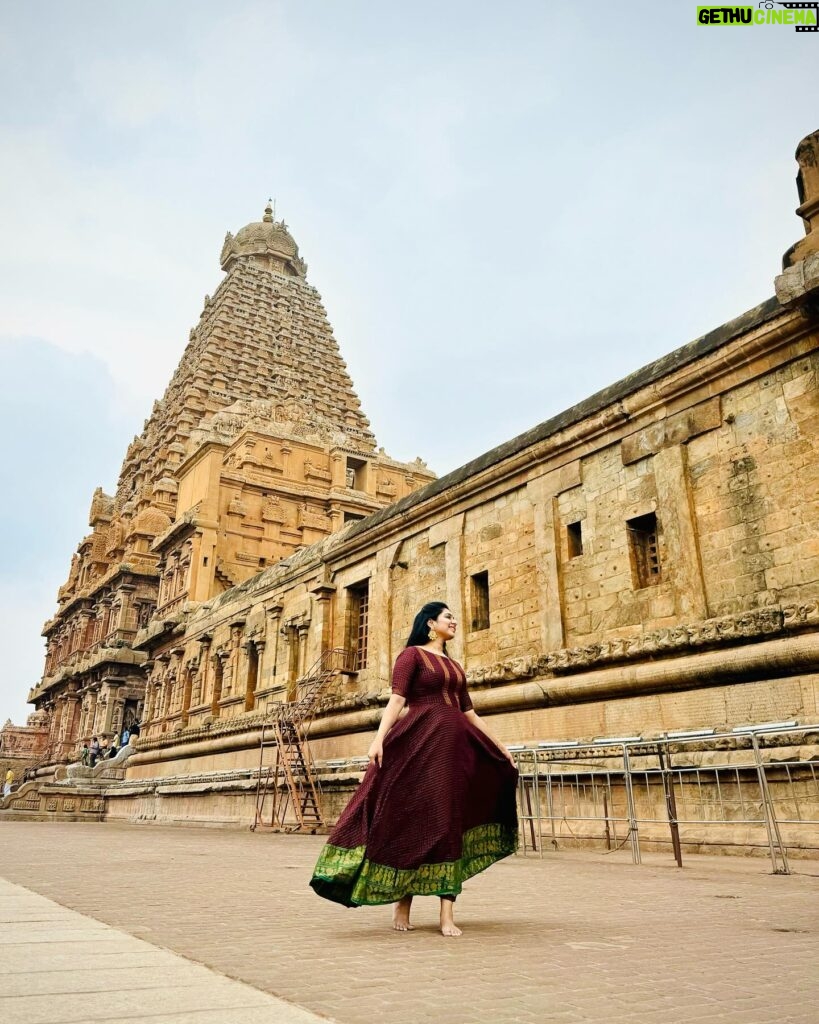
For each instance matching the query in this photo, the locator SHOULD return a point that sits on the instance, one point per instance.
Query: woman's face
(445, 625)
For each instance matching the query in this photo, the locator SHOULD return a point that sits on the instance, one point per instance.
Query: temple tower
(257, 449)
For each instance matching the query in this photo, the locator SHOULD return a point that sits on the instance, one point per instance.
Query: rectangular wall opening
(644, 550)
(359, 623)
(480, 600)
(356, 474)
(574, 537)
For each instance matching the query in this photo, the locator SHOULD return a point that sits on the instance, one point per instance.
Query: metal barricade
(750, 788)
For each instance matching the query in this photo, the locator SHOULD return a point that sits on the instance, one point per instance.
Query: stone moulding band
(727, 630)
(722, 632)
(762, 660)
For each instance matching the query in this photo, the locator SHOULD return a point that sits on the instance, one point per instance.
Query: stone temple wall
(718, 443)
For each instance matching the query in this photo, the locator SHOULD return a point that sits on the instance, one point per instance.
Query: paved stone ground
(574, 937)
(58, 966)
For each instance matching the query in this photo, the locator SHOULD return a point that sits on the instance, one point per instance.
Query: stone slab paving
(61, 967)
(573, 937)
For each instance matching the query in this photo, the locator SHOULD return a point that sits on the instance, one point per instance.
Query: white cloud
(133, 93)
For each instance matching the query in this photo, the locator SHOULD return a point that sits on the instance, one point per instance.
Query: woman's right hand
(376, 752)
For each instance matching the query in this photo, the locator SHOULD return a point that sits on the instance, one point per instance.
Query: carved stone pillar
(254, 651)
(286, 450)
(184, 581)
(160, 709)
(219, 664)
(126, 597)
(83, 715)
(59, 717)
(72, 732)
(303, 631)
(195, 677)
(155, 693)
(106, 625)
(67, 704)
(149, 686)
(187, 687)
(117, 709)
(204, 668)
(102, 712)
(291, 645)
(161, 566)
(338, 471)
(274, 614)
(678, 524)
(543, 493)
(177, 673)
(336, 517)
(91, 720)
(146, 711)
(110, 706)
(86, 628)
(322, 630)
(231, 682)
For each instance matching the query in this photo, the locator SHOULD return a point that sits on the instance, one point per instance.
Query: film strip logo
(768, 5)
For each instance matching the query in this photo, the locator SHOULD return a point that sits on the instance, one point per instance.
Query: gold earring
(432, 634)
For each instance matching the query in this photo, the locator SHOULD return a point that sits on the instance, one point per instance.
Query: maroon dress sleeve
(464, 699)
(403, 672)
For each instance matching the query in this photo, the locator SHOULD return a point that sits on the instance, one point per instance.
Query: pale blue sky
(504, 207)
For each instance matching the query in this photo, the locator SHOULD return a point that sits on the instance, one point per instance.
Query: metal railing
(754, 788)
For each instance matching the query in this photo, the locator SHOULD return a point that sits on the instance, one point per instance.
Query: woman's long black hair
(419, 634)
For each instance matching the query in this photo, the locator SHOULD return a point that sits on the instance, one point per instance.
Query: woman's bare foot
(448, 926)
(401, 915)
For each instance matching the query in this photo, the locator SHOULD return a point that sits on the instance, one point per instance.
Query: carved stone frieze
(386, 486)
(311, 519)
(315, 472)
(273, 511)
(730, 629)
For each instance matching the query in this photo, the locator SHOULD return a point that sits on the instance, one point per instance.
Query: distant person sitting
(8, 782)
(135, 727)
(125, 737)
(93, 751)
(113, 751)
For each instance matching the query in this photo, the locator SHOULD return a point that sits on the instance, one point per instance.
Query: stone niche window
(356, 474)
(352, 517)
(480, 600)
(146, 610)
(574, 538)
(358, 598)
(644, 550)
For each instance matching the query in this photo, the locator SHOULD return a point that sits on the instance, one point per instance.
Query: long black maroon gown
(440, 808)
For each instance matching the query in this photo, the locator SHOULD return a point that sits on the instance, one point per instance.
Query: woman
(437, 803)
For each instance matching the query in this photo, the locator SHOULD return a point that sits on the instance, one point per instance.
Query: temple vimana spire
(257, 449)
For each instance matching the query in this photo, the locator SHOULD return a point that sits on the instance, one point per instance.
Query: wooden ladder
(291, 781)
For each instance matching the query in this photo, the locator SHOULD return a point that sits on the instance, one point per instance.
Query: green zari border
(346, 876)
